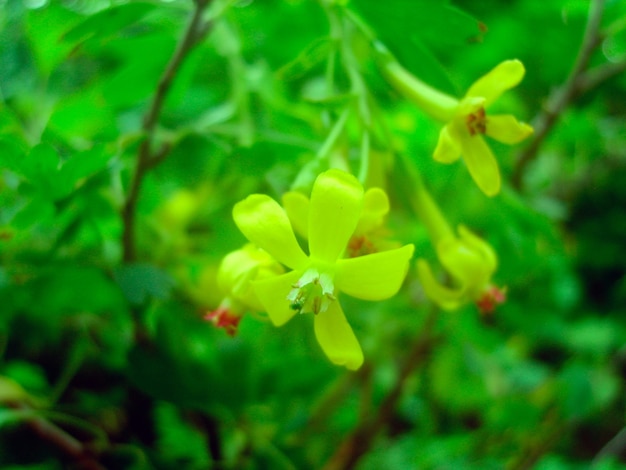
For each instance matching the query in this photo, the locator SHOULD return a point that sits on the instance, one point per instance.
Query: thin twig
(361, 439)
(329, 402)
(209, 427)
(147, 156)
(565, 94)
(616, 447)
(527, 457)
(592, 78)
(81, 454)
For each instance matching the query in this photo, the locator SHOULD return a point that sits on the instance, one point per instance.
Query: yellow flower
(369, 235)
(234, 276)
(315, 280)
(471, 262)
(466, 119)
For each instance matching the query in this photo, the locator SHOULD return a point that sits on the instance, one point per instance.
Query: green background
(112, 352)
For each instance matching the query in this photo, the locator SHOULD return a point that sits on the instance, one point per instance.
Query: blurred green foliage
(115, 356)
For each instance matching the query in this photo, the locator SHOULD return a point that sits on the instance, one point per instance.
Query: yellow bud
(179, 209)
(241, 266)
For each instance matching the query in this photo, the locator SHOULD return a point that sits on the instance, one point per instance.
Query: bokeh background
(105, 358)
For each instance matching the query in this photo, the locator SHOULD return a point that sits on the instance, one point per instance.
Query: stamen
(313, 293)
(360, 246)
(477, 122)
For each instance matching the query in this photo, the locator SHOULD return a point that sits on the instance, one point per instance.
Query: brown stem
(593, 78)
(147, 156)
(616, 447)
(545, 440)
(565, 94)
(67, 444)
(329, 402)
(360, 440)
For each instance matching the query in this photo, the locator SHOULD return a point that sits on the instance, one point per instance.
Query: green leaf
(82, 165)
(37, 210)
(10, 124)
(84, 113)
(141, 282)
(191, 363)
(455, 367)
(10, 416)
(11, 392)
(173, 367)
(10, 153)
(614, 47)
(108, 22)
(595, 337)
(178, 440)
(42, 162)
(42, 168)
(314, 54)
(66, 297)
(30, 376)
(576, 392)
(45, 27)
(145, 59)
(585, 391)
(414, 30)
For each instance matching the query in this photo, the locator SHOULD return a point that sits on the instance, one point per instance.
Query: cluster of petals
(315, 279)
(370, 235)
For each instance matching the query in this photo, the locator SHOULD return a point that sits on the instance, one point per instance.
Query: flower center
(360, 246)
(476, 122)
(313, 292)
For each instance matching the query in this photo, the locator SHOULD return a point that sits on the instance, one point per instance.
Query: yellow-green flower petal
(373, 277)
(337, 339)
(507, 129)
(503, 77)
(273, 292)
(235, 270)
(464, 263)
(446, 298)
(265, 223)
(448, 149)
(241, 266)
(480, 246)
(336, 202)
(375, 208)
(470, 105)
(297, 207)
(480, 162)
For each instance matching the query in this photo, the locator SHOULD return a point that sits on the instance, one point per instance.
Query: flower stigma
(313, 292)
(491, 297)
(225, 316)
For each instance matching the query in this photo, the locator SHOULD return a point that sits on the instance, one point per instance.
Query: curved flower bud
(177, 211)
(234, 278)
(471, 262)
